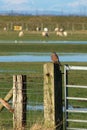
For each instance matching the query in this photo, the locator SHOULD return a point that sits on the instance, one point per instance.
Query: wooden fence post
(19, 102)
(53, 113)
(7, 98)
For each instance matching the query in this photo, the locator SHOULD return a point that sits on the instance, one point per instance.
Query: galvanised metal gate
(69, 110)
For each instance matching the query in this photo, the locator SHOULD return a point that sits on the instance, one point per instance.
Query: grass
(34, 71)
(5, 49)
(37, 20)
(37, 36)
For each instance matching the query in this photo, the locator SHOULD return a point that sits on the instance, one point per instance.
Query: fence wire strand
(34, 100)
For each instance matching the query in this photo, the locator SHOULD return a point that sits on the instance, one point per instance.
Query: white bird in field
(21, 33)
(45, 34)
(65, 33)
(45, 29)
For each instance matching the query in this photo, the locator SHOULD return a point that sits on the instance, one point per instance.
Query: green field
(5, 49)
(34, 71)
(37, 36)
(34, 21)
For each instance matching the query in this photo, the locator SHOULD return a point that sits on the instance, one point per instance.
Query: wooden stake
(6, 105)
(7, 98)
(19, 102)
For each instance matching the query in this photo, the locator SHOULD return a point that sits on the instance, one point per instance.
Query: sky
(62, 6)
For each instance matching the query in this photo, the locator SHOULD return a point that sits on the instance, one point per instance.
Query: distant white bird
(45, 34)
(38, 28)
(61, 29)
(45, 29)
(65, 33)
(21, 33)
(58, 33)
(56, 29)
(4, 28)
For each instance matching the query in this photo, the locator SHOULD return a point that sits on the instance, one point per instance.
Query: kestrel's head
(54, 57)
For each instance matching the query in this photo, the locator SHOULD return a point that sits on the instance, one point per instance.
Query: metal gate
(70, 110)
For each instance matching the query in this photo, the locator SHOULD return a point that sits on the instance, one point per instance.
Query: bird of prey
(55, 58)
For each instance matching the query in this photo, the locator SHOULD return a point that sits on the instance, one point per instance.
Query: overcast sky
(69, 6)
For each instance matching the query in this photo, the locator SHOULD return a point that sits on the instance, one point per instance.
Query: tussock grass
(38, 126)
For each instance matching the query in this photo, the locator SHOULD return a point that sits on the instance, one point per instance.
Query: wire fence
(5, 116)
(35, 105)
(34, 99)
(30, 26)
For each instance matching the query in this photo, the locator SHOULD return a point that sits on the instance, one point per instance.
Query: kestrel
(55, 58)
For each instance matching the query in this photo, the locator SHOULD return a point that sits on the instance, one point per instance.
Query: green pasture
(34, 71)
(37, 36)
(6, 49)
(17, 44)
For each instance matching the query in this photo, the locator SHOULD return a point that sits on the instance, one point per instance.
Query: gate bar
(76, 128)
(74, 120)
(76, 67)
(66, 85)
(76, 98)
(76, 86)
